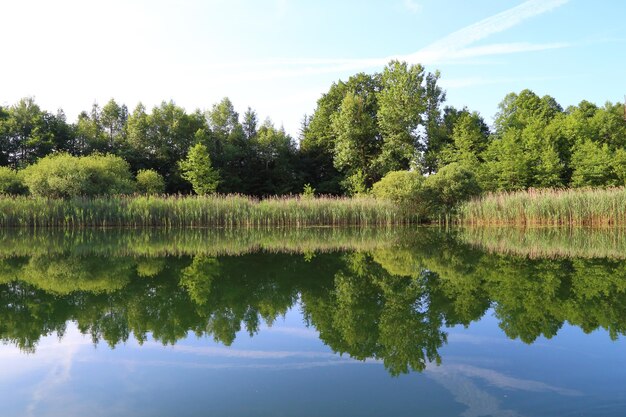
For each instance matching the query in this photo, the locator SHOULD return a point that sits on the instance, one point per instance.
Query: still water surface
(313, 322)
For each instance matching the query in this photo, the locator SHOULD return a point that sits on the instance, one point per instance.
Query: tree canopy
(361, 129)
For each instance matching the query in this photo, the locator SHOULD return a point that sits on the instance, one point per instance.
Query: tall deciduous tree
(357, 143)
(402, 102)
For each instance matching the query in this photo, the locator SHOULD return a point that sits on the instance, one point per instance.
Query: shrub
(150, 182)
(399, 186)
(11, 182)
(63, 175)
(308, 192)
(355, 184)
(450, 186)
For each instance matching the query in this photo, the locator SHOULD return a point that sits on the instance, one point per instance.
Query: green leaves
(197, 169)
(63, 176)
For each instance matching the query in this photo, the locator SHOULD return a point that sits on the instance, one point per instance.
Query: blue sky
(279, 56)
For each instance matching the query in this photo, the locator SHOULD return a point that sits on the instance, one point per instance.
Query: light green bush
(150, 182)
(63, 175)
(449, 187)
(399, 186)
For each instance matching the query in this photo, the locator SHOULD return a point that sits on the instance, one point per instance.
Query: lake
(313, 322)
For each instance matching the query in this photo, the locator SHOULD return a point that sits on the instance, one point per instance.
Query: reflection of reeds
(197, 211)
(576, 207)
(208, 242)
(549, 242)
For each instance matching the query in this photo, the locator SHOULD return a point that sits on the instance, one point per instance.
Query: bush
(150, 182)
(400, 186)
(11, 182)
(63, 175)
(450, 186)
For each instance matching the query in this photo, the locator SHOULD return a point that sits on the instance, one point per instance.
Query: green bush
(400, 186)
(11, 182)
(450, 186)
(150, 182)
(63, 175)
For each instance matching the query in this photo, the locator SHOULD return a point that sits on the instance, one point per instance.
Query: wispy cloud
(478, 81)
(455, 42)
(452, 48)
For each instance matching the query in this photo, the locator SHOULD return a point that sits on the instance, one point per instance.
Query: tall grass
(197, 211)
(554, 207)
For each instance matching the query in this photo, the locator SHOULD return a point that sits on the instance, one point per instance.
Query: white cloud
(453, 47)
(497, 23)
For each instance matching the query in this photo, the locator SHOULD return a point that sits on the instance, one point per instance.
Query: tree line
(361, 130)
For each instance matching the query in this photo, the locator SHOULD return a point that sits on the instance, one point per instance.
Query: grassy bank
(576, 207)
(197, 211)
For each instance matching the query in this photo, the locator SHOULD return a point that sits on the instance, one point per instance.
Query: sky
(280, 56)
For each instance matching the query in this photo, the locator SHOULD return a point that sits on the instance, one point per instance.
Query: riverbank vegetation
(198, 211)
(548, 207)
(420, 155)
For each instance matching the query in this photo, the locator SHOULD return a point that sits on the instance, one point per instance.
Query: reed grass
(197, 211)
(548, 207)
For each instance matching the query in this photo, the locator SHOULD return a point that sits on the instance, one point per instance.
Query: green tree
(274, 162)
(507, 165)
(319, 142)
(250, 123)
(435, 134)
(401, 103)
(357, 142)
(26, 133)
(159, 139)
(593, 165)
(470, 139)
(197, 169)
(113, 118)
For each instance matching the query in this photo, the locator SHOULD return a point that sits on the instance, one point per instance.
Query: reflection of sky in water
(286, 370)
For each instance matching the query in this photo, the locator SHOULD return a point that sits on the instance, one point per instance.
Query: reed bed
(197, 211)
(548, 207)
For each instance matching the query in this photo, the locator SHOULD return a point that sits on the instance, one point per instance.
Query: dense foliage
(361, 130)
(62, 175)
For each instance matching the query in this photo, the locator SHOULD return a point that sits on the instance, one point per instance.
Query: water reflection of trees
(391, 303)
